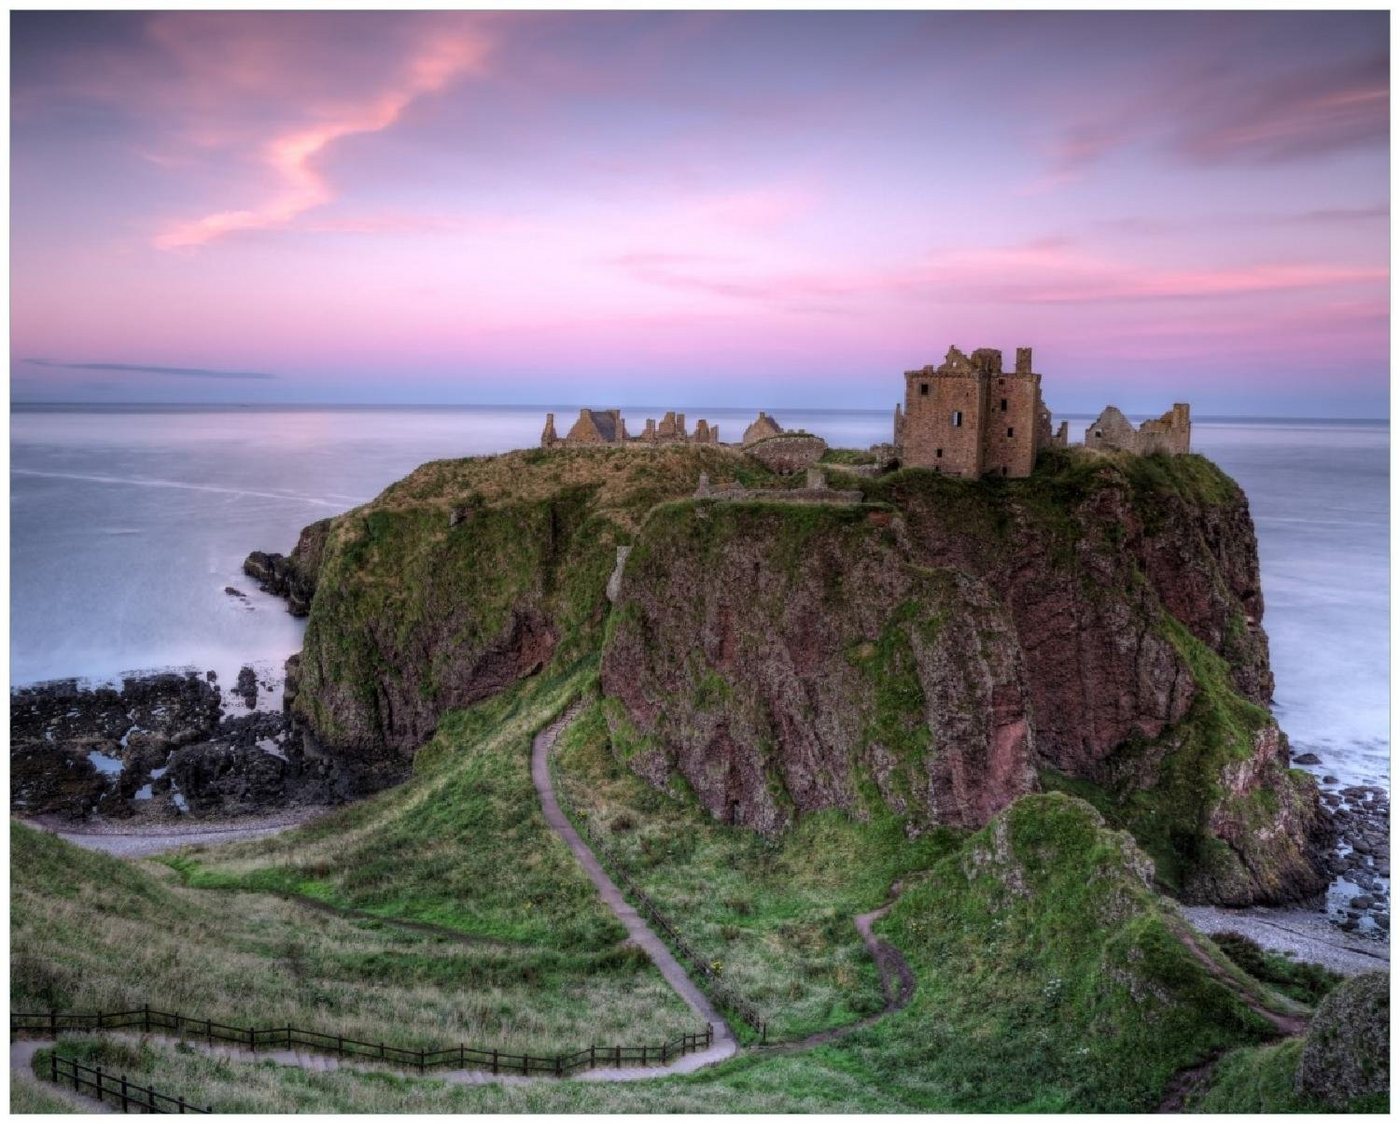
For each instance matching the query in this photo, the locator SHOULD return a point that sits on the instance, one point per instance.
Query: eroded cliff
(941, 649)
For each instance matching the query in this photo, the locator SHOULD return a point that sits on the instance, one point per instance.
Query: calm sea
(127, 524)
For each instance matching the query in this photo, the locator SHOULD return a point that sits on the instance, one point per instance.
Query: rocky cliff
(941, 649)
(1093, 628)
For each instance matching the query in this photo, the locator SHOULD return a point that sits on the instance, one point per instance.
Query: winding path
(725, 1044)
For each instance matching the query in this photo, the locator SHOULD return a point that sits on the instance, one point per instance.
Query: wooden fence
(148, 1020)
(132, 1098)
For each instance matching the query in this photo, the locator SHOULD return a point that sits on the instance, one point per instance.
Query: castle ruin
(608, 427)
(969, 417)
(1169, 434)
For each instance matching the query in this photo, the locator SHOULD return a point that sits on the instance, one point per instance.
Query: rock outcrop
(1347, 1053)
(291, 576)
(1093, 628)
(937, 651)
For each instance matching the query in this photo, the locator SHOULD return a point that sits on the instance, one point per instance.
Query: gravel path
(129, 842)
(1305, 935)
(724, 1043)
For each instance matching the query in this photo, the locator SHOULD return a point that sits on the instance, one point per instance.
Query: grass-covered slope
(1050, 978)
(775, 917)
(462, 845)
(469, 574)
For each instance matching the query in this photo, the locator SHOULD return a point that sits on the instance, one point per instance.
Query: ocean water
(127, 524)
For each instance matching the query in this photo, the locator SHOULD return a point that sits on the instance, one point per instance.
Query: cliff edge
(942, 648)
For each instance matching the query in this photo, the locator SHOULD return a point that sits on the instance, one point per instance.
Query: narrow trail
(641, 934)
(897, 981)
(1187, 1081)
(1285, 1025)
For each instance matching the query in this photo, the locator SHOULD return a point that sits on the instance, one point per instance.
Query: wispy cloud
(292, 155)
(151, 369)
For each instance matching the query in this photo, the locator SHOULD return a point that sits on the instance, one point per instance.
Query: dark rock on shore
(56, 778)
(247, 687)
(180, 708)
(159, 747)
(1360, 815)
(291, 576)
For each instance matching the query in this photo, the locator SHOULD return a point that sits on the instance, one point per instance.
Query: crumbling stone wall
(969, 417)
(608, 427)
(1169, 434)
(788, 452)
(817, 490)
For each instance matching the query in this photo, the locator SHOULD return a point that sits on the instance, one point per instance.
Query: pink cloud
(292, 155)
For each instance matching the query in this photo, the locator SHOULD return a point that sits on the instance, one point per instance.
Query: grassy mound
(462, 845)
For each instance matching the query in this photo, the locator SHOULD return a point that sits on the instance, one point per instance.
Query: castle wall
(1170, 434)
(942, 426)
(1013, 422)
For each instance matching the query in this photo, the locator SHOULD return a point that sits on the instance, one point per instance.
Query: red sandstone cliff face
(760, 668)
(1100, 627)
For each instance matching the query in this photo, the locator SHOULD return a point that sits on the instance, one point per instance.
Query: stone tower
(969, 417)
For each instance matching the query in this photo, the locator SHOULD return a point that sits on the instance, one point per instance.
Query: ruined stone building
(969, 417)
(1171, 433)
(608, 427)
(763, 427)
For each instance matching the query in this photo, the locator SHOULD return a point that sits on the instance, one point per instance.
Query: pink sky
(708, 208)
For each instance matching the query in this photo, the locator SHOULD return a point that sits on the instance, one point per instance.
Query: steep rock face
(777, 656)
(940, 651)
(292, 576)
(1003, 628)
(466, 576)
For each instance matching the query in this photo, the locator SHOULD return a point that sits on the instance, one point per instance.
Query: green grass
(33, 1095)
(1256, 1079)
(462, 845)
(774, 915)
(1299, 980)
(1049, 980)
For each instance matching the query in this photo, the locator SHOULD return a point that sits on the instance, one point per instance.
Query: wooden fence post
(53, 1024)
(495, 1061)
(340, 1046)
(151, 1098)
(182, 1106)
(461, 1055)
(617, 1056)
(253, 1039)
(53, 1067)
(558, 1065)
(100, 1097)
(124, 1096)
(422, 1061)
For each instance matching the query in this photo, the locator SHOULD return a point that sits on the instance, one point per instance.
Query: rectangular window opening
(923, 390)
(957, 419)
(938, 452)
(1003, 405)
(1010, 431)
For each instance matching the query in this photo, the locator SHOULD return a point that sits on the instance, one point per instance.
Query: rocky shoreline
(164, 747)
(1359, 900)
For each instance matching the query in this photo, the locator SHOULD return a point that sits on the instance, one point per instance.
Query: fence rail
(132, 1098)
(147, 1019)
